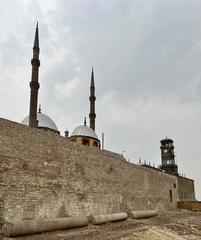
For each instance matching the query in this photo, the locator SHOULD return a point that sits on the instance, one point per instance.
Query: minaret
(92, 99)
(34, 84)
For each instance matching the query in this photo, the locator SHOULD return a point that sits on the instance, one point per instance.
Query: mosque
(82, 134)
(45, 175)
(86, 135)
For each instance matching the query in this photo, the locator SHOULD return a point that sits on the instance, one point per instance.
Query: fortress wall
(44, 175)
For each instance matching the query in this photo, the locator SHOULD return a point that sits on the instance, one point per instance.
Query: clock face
(165, 151)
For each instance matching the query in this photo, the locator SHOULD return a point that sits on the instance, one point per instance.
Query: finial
(66, 133)
(37, 24)
(85, 121)
(39, 109)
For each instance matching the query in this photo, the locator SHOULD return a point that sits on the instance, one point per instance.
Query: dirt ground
(166, 226)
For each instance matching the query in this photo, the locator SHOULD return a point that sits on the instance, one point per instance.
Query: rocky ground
(166, 226)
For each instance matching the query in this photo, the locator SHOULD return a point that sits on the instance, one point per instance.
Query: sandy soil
(166, 226)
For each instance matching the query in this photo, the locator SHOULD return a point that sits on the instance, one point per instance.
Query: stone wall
(45, 175)
(190, 205)
(186, 188)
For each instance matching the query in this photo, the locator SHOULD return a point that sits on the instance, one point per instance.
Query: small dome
(84, 131)
(166, 140)
(43, 121)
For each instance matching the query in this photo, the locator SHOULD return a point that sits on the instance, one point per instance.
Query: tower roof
(166, 140)
(92, 78)
(36, 38)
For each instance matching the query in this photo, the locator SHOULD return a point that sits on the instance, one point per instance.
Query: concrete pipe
(100, 219)
(143, 214)
(42, 225)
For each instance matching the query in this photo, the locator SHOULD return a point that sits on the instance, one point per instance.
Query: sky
(146, 56)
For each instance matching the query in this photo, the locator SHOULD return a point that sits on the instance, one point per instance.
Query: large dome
(43, 121)
(84, 131)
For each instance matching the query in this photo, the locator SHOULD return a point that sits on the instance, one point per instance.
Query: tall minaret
(92, 99)
(34, 84)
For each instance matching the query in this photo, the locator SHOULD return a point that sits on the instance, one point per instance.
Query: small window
(85, 142)
(95, 144)
(175, 186)
(170, 191)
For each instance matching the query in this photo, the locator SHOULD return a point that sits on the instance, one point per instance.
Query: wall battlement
(45, 175)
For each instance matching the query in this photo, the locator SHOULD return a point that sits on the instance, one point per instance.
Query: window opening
(170, 191)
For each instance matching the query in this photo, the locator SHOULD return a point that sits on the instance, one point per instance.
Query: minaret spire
(92, 98)
(34, 84)
(36, 39)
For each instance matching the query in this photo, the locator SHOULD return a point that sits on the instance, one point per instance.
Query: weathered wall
(186, 188)
(190, 205)
(45, 175)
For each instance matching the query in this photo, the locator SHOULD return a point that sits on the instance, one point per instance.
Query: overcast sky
(146, 56)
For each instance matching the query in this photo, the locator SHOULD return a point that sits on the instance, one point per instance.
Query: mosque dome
(85, 131)
(43, 122)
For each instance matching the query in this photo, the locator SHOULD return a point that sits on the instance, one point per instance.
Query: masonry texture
(186, 188)
(44, 175)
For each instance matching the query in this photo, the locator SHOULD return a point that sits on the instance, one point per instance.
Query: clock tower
(168, 157)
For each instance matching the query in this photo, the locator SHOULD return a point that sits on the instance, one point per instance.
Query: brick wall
(45, 175)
